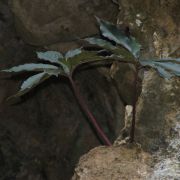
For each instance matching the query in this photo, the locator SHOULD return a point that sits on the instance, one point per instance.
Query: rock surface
(157, 107)
(157, 110)
(153, 21)
(115, 163)
(157, 130)
(44, 22)
(156, 25)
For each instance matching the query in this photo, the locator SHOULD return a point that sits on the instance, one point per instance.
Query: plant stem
(88, 113)
(132, 132)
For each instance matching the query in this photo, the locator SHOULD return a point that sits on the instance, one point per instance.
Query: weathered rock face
(158, 110)
(42, 22)
(156, 25)
(115, 163)
(153, 21)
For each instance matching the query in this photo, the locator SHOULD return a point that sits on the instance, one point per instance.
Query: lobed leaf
(111, 32)
(51, 56)
(165, 68)
(30, 67)
(117, 52)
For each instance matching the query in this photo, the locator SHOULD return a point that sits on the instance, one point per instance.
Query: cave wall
(44, 133)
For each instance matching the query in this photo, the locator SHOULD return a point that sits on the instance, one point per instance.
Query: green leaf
(72, 53)
(54, 72)
(51, 56)
(31, 83)
(124, 53)
(111, 32)
(176, 60)
(101, 43)
(165, 68)
(164, 73)
(65, 65)
(173, 67)
(83, 57)
(56, 57)
(30, 67)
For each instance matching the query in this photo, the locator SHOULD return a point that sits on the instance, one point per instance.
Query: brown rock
(42, 22)
(115, 163)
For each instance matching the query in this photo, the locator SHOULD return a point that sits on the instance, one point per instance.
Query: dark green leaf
(31, 67)
(164, 73)
(124, 54)
(111, 32)
(54, 72)
(30, 83)
(173, 67)
(83, 57)
(101, 43)
(72, 53)
(165, 68)
(51, 56)
(176, 60)
(65, 65)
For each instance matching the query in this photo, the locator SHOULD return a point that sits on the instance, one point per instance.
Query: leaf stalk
(91, 117)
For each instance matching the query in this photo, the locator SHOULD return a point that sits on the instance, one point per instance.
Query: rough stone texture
(157, 110)
(42, 22)
(115, 163)
(150, 21)
(123, 77)
(156, 25)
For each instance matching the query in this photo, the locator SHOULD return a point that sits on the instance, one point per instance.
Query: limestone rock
(147, 18)
(158, 109)
(42, 22)
(115, 163)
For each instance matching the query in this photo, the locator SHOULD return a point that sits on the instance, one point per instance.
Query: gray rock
(115, 163)
(157, 110)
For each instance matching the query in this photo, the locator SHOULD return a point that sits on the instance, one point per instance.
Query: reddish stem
(88, 113)
(132, 133)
